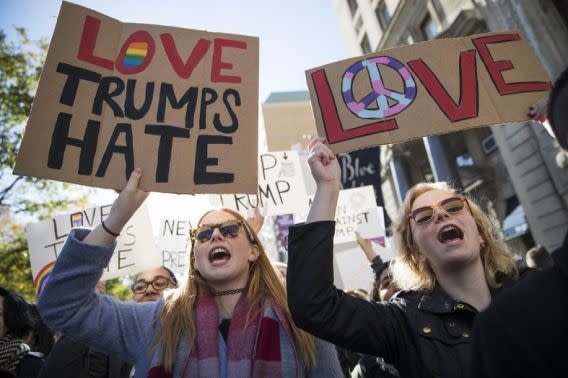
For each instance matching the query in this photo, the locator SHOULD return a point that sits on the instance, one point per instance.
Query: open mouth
(219, 254)
(450, 233)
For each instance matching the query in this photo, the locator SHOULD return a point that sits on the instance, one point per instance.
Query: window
(358, 25)
(429, 28)
(365, 45)
(352, 6)
(383, 15)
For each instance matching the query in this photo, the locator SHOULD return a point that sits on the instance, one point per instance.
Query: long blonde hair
(177, 315)
(412, 273)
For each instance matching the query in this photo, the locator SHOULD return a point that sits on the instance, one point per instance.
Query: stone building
(511, 169)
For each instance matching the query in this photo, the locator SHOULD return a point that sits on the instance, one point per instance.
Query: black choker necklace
(229, 292)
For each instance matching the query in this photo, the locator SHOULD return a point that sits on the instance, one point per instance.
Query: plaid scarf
(11, 352)
(254, 351)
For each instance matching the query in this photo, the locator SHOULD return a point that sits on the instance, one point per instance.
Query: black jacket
(524, 333)
(421, 334)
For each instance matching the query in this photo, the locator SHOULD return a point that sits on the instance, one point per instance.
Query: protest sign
(281, 187)
(173, 244)
(355, 207)
(427, 88)
(135, 250)
(374, 229)
(181, 104)
(354, 269)
(361, 168)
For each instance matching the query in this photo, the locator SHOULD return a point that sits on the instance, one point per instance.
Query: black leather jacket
(421, 334)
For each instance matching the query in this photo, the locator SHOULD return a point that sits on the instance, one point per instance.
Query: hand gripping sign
(427, 88)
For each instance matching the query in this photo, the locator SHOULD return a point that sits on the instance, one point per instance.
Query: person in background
(450, 264)
(149, 285)
(229, 317)
(524, 333)
(16, 332)
(383, 288)
(538, 257)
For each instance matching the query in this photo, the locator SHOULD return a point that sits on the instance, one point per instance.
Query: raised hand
(326, 172)
(323, 164)
(256, 220)
(539, 110)
(123, 208)
(367, 246)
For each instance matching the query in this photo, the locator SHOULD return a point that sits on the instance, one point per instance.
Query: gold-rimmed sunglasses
(452, 205)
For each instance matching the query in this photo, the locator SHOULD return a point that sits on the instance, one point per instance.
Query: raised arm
(325, 170)
(69, 302)
(316, 305)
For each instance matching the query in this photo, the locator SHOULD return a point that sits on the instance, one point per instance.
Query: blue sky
(295, 35)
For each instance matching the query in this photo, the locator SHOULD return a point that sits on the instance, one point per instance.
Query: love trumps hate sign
(428, 88)
(181, 104)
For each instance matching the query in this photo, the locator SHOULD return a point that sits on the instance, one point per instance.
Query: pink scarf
(252, 352)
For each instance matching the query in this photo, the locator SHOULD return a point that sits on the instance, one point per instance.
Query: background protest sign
(135, 250)
(354, 208)
(361, 168)
(173, 244)
(427, 88)
(353, 269)
(281, 187)
(181, 104)
(374, 228)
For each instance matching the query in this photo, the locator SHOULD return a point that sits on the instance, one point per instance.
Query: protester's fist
(127, 202)
(539, 110)
(323, 164)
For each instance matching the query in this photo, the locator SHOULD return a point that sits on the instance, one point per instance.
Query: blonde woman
(450, 264)
(229, 319)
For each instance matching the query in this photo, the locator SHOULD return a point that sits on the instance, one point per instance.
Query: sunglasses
(159, 284)
(425, 214)
(229, 229)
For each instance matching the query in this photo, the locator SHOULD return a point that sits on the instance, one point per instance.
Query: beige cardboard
(238, 156)
(343, 124)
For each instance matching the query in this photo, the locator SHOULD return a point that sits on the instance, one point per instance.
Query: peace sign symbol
(380, 94)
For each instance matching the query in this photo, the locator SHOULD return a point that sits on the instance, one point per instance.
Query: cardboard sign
(181, 104)
(173, 244)
(281, 187)
(361, 168)
(374, 228)
(135, 250)
(354, 208)
(428, 88)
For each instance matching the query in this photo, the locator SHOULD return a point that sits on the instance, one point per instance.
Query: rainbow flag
(42, 276)
(76, 220)
(136, 53)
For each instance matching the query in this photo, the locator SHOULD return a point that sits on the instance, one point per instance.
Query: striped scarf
(11, 352)
(255, 351)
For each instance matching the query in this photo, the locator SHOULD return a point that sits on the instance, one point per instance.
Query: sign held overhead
(428, 88)
(181, 104)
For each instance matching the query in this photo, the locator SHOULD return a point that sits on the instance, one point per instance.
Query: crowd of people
(452, 303)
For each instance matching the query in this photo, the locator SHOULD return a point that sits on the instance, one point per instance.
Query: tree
(25, 198)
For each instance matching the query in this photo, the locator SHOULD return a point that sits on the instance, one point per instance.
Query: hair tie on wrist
(109, 231)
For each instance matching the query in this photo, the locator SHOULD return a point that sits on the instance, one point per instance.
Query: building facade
(510, 169)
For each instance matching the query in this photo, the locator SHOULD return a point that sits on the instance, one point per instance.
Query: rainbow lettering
(135, 54)
(42, 276)
(76, 220)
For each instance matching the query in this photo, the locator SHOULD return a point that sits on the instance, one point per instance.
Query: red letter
(332, 123)
(218, 65)
(88, 42)
(495, 68)
(136, 53)
(184, 70)
(467, 103)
